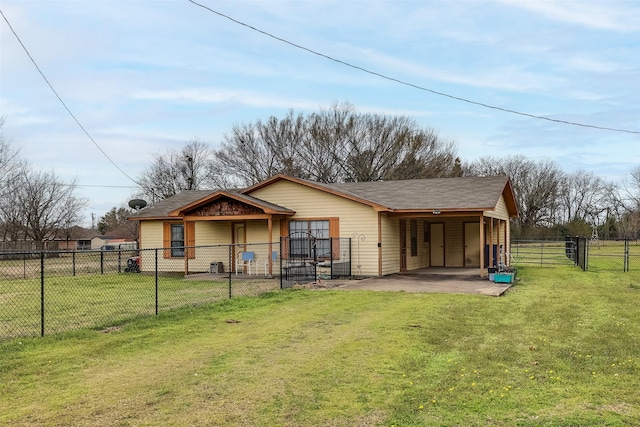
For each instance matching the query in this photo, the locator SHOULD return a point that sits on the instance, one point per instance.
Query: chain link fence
(46, 292)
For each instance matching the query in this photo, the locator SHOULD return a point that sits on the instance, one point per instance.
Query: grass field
(560, 349)
(102, 300)
(602, 255)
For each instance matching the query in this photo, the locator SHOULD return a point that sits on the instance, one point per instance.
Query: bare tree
(583, 197)
(628, 206)
(630, 189)
(177, 171)
(256, 151)
(334, 145)
(11, 164)
(536, 185)
(44, 204)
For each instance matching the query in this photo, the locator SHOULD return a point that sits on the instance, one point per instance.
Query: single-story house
(397, 225)
(75, 238)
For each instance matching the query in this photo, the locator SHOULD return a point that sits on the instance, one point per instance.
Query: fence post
(41, 293)
(281, 259)
(230, 260)
(586, 256)
(626, 256)
(101, 261)
(73, 263)
(156, 269)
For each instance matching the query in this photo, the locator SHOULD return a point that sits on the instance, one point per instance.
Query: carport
(434, 280)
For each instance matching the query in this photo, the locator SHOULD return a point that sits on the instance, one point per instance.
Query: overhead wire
(405, 83)
(63, 103)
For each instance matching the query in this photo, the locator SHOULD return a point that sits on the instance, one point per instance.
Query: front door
(403, 245)
(472, 244)
(239, 239)
(436, 244)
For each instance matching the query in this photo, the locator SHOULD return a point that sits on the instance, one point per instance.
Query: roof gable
(210, 204)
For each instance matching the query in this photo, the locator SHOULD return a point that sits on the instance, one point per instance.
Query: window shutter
(284, 238)
(334, 233)
(166, 240)
(190, 237)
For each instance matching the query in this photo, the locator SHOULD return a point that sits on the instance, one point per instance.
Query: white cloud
(607, 15)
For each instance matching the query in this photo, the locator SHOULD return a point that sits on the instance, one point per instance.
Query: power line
(62, 102)
(402, 82)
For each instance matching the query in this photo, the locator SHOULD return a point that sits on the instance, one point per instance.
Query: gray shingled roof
(467, 193)
(437, 193)
(163, 207)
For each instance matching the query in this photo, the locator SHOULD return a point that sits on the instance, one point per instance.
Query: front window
(177, 240)
(414, 237)
(309, 238)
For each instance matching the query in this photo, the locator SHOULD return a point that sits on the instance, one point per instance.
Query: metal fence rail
(619, 255)
(587, 254)
(543, 252)
(54, 291)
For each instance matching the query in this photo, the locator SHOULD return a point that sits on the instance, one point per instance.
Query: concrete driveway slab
(437, 280)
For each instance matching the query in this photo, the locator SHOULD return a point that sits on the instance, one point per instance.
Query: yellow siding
(500, 211)
(421, 259)
(355, 220)
(150, 234)
(213, 233)
(151, 237)
(390, 245)
(354, 217)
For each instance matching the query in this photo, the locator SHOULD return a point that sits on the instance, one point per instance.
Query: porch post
(185, 248)
(491, 260)
(482, 270)
(379, 244)
(507, 243)
(498, 242)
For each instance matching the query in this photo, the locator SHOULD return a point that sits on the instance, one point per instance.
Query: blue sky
(144, 77)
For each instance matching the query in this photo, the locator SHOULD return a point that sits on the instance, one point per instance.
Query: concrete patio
(436, 280)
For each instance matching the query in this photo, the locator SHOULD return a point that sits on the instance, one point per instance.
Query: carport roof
(467, 193)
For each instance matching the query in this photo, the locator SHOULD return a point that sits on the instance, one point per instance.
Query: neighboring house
(398, 225)
(75, 238)
(112, 242)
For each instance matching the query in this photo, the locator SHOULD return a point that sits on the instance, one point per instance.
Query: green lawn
(560, 349)
(609, 255)
(603, 255)
(101, 300)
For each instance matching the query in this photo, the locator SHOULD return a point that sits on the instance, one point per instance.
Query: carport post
(482, 225)
(491, 260)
